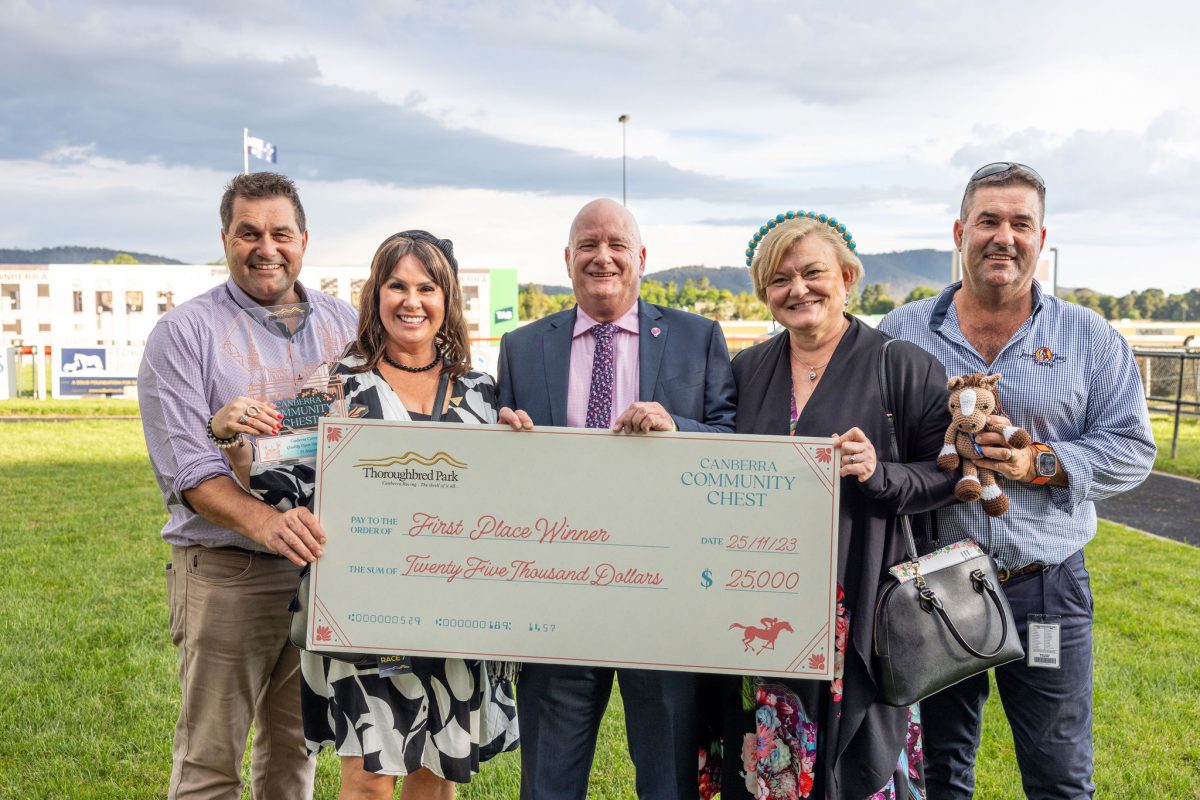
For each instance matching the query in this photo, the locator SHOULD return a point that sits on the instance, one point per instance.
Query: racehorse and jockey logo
(771, 628)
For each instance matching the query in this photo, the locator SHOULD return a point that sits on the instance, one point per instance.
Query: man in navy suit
(617, 362)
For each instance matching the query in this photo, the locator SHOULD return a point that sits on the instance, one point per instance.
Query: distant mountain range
(902, 271)
(75, 255)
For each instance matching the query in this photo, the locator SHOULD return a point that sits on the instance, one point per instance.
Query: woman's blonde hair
(451, 338)
(778, 240)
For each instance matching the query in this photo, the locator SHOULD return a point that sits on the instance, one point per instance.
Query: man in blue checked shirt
(1071, 381)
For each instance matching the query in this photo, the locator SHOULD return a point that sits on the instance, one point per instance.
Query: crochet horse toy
(972, 399)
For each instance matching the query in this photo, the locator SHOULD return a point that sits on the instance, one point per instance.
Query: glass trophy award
(320, 395)
(287, 357)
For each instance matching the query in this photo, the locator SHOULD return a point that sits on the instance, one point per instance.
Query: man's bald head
(605, 259)
(605, 206)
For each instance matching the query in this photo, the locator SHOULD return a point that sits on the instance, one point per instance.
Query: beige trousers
(229, 620)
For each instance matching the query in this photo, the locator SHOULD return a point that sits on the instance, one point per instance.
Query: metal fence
(1171, 377)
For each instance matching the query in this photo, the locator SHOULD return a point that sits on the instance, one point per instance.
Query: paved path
(1166, 505)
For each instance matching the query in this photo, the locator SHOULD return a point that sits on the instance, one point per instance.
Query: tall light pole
(1054, 274)
(624, 118)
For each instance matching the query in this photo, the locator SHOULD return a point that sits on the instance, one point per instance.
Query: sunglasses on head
(997, 167)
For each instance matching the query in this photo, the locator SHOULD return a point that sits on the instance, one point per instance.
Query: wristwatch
(1045, 463)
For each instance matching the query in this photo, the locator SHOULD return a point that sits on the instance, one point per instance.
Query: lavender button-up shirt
(200, 356)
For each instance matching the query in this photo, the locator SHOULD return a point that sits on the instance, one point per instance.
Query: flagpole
(245, 152)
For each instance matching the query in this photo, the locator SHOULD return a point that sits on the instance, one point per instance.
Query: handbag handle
(982, 584)
(910, 544)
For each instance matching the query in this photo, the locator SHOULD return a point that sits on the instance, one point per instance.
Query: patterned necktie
(599, 410)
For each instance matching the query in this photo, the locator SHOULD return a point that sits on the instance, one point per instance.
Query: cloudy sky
(491, 123)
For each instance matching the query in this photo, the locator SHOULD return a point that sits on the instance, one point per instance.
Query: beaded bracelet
(779, 219)
(224, 444)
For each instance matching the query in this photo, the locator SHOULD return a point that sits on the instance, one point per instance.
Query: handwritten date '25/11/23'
(774, 544)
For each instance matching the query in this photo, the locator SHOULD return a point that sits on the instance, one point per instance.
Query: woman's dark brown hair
(437, 258)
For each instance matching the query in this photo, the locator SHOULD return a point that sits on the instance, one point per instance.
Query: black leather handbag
(299, 627)
(938, 627)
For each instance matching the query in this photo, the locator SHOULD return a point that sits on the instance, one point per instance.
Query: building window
(77, 301)
(356, 287)
(103, 302)
(43, 290)
(471, 308)
(470, 297)
(10, 297)
(43, 327)
(329, 286)
(13, 327)
(133, 302)
(166, 301)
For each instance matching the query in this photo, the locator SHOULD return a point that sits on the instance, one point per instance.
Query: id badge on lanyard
(1041, 646)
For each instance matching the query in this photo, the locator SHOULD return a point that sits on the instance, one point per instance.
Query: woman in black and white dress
(436, 720)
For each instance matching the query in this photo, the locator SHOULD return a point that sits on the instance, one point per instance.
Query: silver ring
(252, 411)
(852, 459)
(1012, 455)
(243, 419)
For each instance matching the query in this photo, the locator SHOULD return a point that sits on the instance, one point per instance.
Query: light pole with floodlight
(624, 118)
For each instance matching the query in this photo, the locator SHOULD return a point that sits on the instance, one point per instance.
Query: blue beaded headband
(832, 222)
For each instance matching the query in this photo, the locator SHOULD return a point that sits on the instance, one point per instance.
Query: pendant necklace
(437, 356)
(812, 370)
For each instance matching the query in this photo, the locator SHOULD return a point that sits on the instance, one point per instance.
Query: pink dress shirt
(625, 366)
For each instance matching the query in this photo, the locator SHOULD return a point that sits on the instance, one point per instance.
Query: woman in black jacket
(804, 738)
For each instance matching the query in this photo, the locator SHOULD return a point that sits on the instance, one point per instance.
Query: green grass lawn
(1187, 452)
(88, 693)
(28, 407)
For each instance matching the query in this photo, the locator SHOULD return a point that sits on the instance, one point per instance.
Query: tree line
(703, 298)
(1152, 304)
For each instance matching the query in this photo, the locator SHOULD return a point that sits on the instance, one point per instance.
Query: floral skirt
(781, 753)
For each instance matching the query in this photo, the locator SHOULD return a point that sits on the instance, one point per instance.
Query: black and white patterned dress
(447, 715)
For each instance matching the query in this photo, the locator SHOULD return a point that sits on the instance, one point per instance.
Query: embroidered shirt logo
(1044, 356)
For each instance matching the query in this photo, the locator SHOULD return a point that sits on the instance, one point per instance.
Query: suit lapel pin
(655, 332)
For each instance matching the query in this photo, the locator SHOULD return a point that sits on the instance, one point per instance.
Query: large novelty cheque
(681, 551)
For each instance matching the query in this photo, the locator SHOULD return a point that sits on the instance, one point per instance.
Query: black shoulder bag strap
(885, 393)
(440, 399)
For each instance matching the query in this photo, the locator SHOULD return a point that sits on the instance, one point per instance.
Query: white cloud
(498, 120)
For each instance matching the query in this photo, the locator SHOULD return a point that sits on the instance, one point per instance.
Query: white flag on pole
(260, 148)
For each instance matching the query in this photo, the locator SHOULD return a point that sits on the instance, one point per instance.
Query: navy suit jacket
(685, 368)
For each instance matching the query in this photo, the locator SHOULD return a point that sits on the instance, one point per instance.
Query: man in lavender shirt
(669, 371)
(208, 369)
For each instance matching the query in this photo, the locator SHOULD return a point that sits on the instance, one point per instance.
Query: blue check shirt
(1070, 380)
